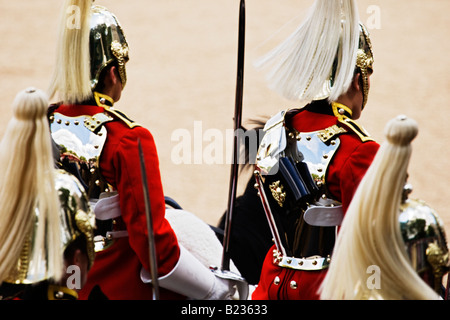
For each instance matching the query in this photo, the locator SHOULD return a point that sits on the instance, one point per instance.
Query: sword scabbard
(151, 236)
(237, 125)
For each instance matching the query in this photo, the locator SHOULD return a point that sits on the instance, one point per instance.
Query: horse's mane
(257, 125)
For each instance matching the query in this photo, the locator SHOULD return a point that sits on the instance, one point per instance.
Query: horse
(250, 237)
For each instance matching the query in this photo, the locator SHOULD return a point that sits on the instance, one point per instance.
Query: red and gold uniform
(119, 165)
(100, 145)
(346, 169)
(311, 160)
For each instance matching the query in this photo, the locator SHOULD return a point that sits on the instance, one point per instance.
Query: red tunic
(116, 270)
(345, 171)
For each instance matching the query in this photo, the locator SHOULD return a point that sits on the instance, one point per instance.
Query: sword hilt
(240, 283)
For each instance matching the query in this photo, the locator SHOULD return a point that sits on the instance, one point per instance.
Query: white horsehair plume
(71, 78)
(300, 68)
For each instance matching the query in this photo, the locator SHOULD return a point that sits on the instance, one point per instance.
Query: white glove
(223, 289)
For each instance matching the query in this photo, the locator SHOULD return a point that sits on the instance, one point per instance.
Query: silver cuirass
(291, 179)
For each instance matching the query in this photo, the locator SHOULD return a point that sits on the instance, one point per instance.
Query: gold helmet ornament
(364, 60)
(90, 39)
(318, 61)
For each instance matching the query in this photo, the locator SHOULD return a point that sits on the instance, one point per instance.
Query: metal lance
(237, 125)
(151, 236)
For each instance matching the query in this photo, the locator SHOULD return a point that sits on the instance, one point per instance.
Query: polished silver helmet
(425, 239)
(107, 44)
(85, 49)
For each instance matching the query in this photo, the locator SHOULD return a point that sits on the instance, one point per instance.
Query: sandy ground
(182, 77)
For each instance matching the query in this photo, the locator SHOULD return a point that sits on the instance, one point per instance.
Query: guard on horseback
(312, 159)
(99, 144)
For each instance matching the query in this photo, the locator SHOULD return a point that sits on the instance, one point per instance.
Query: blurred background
(182, 74)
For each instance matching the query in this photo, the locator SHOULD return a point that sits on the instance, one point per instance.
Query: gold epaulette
(120, 115)
(106, 102)
(350, 123)
(56, 292)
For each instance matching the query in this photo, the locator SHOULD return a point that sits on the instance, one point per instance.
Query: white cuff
(192, 279)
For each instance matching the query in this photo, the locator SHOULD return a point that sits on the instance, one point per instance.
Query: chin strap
(193, 280)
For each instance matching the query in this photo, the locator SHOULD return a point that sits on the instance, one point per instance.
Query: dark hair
(80, 243)
(101, 79)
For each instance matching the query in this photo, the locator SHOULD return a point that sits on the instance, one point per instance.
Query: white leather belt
(307, 264)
